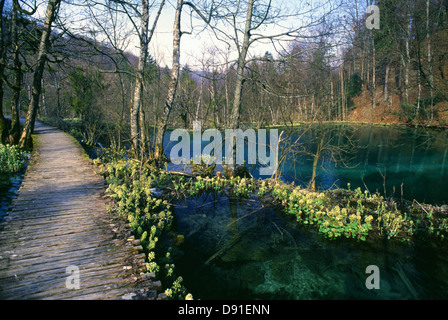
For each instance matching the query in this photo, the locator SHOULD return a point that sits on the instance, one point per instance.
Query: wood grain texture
(59, 219)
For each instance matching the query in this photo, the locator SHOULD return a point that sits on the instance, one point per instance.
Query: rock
(444, 209)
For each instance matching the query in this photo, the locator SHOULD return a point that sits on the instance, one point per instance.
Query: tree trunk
(17, 85)
(316, 158)
(343, 97)
(373, 72)
(236, 110)
(408, 59)
(163, 122)
(138, 89)
(199, 102)
(241, 64)
(44, 101)
(429, 57)
(25, 139)
(3, 122)
(227, 105)
(419, 85)
(136, 116)
(330, 107)
(386, 83)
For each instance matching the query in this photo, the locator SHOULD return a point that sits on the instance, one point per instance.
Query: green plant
(12, 158)
(112, 155)
(323, 211)
(203, 166)
(130, 185)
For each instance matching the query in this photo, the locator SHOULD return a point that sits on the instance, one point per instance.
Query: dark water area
(9, 186)
(232, 251)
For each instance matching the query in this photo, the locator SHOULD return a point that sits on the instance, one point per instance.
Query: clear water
(395, 161)
(232, 251)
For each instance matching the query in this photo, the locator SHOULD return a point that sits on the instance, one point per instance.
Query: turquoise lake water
(232, 253)
(394, 160)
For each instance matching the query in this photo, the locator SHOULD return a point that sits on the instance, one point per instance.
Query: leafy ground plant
(131, 185)
(12, 158)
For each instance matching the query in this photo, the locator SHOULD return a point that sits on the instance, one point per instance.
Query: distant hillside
(391, 108)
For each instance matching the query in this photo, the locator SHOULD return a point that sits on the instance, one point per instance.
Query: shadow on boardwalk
(59, 223)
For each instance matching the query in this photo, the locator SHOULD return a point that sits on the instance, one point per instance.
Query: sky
(195, 47)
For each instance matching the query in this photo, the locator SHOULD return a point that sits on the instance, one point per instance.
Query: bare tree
(3, 122)
(50, 16)
(172, 88)
(429, 59)
(137, 114)
(253, 22)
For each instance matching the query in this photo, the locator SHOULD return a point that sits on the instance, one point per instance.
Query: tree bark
(175, 71)
(429, 58)
(407, 63)
(52, 8)
(386, 84)
(343, 96)
(138, 89)
(17, 85)
(163, 122)
(3, 122)
(373, 71)
(236, 110)
(136, 114)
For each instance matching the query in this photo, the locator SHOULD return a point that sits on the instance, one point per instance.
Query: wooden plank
(36, 278)
(59, 219)
(34, 234)
(26, 256)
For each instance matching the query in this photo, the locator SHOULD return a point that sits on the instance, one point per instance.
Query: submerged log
(229, 245)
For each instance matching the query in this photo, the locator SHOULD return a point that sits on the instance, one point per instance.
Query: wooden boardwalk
(59, 223)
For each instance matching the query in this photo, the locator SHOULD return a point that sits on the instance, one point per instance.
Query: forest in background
(331, 67)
